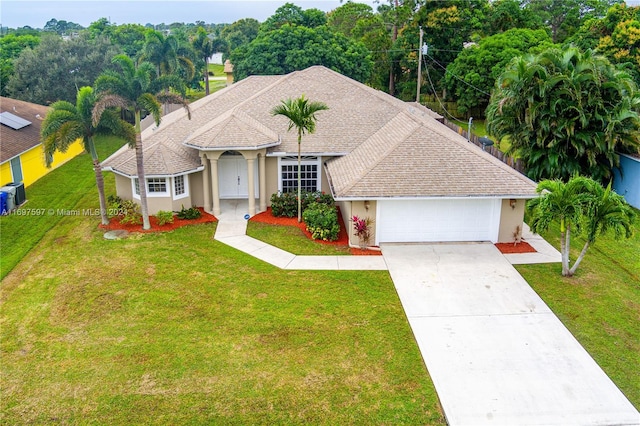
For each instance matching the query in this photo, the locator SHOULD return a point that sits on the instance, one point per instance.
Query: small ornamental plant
(362, 228)
(164, 217)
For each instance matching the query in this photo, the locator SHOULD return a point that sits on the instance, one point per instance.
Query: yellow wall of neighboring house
(33, 165)
(5, 174)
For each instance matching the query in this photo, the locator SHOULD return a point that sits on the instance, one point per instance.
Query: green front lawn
(292, 239)
(176, 328)
(600, 305)
(49, 199)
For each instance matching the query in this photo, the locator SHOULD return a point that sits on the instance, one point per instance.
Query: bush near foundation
(322, 221)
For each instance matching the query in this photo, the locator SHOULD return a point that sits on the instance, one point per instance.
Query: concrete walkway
(232, 229)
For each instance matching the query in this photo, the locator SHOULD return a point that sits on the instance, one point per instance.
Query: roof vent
(13, 121)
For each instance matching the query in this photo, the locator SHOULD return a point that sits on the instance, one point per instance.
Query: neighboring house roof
(15, 142)
(391, 148)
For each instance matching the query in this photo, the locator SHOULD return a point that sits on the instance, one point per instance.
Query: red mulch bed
(343, 238)
(114, 223)
(511, 248)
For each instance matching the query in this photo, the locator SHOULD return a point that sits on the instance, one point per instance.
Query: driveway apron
(496, 353)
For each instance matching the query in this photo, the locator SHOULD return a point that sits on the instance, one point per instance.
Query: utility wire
(436, 93)
(456, 77)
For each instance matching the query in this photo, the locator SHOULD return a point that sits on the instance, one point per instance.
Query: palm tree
(205, 47)
(605, 211)
(65, 123)
(562, 202)
(133, 89)
(167, 54)
(302, 115)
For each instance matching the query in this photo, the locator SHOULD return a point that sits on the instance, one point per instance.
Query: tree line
(489, 58)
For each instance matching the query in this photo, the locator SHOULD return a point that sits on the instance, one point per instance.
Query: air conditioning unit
(21, 196)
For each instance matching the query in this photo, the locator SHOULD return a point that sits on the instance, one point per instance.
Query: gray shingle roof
(15, 142)
(390, 148)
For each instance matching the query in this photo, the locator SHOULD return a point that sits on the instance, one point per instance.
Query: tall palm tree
(605, 211)
(204, 47)
(133, 88)
(65, 123)
(302, 115)
(561, 202)
(167, 54)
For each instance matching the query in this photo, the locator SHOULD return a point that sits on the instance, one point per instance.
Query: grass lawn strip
(177, 328)
(49, 199)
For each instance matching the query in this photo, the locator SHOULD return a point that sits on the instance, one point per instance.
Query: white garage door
(438, 220)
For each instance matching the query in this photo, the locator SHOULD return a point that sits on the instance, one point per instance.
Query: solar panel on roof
(13, 121)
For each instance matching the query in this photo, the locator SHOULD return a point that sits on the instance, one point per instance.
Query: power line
(458, 78)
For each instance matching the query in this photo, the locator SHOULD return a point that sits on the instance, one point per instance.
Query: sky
(18, 13)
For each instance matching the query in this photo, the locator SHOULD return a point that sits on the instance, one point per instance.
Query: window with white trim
(309, 176)
(180, 186)
(156, 185)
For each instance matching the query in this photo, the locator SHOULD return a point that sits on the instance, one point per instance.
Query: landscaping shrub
(286, 203)
(164, 217)
(190, 213)
(127, 210)
(130, 213)
(322, 221)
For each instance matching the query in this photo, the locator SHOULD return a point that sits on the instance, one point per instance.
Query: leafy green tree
(134, 88)
(358, 22)
(504, 15)
(564, 17)
(55, 69)
(292, 47)
(581, 204)
(345, 18)
(240, 33)
(129, 37)
(447, 26)
(565, 113)
(302, 115)
(66, 123)
(291, 14)
(62, 27)
(472, 75)
(11, 46)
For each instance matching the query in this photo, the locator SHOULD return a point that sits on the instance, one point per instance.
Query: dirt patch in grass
(114, 223)
(343, 237)
(510, 248)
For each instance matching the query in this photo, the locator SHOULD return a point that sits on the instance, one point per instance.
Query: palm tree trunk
(563, 249)
(142, 181)
(579, 259)
(299, 180)
(567, 248)
(97, 168)
(206, 76)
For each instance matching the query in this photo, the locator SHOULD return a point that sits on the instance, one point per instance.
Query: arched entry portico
(232, 174)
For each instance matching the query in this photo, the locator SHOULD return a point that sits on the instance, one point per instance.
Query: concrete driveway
(496, 353)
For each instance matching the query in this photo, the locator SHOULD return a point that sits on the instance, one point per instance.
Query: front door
(232, 176)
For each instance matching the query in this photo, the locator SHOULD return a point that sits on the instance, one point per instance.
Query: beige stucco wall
(123, 187)
(196, 189)
(271, 169)
(510, 219)
(348, 209)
